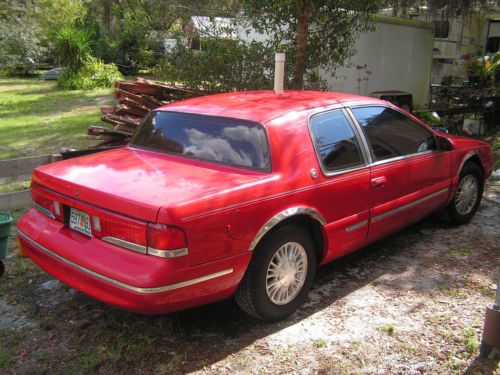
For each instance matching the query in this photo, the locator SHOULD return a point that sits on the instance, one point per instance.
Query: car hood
(138, 182)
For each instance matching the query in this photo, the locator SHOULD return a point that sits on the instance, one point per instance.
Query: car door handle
(379, 181)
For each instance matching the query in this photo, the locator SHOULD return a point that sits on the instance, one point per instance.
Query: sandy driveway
(413, 303)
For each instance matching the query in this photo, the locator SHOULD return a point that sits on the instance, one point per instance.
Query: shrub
(131, 47)
(228, 65)
(222, 65)
(94, 74)
(430, 118)
(74, 48)
(19, 48)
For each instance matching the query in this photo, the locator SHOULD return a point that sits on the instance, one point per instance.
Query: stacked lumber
(135, 99)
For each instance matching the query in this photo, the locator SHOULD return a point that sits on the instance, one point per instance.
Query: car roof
(262, 106)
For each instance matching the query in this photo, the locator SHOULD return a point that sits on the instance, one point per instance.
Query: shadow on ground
(77, 332)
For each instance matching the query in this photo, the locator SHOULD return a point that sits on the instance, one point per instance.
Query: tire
(253, 296)
(2, 268)
(459, 212)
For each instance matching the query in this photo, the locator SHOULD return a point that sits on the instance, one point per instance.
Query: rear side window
(221, 140)
(391, 134)
(335, 141)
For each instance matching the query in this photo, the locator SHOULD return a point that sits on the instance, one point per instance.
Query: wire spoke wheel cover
(467, 194)
(286, 273)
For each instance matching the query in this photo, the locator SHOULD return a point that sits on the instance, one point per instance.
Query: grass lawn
(38, 119)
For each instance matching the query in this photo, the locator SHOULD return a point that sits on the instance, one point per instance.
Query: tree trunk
(107, 5)
(299, 67)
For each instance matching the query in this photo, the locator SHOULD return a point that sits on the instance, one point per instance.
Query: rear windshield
(222, 140)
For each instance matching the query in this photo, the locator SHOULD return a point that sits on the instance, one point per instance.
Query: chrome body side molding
(120, 284)
(411, 204)
(361, 224)
(289, 212)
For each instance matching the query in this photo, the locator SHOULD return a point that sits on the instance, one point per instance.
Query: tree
(20, 44)
(312, 32)
(67, 11)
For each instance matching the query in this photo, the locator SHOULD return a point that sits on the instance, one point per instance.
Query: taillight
(47, 205)
(166, 241)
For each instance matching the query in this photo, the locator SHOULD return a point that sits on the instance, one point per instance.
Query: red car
(245, 194)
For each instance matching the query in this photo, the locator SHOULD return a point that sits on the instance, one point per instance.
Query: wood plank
(153, 101)
(138, 111)
(99, 130)
(125, 128)
(129, 120)
(106, 138)
(15, 201)
(24, 166)
(105, 110)
(139, 88)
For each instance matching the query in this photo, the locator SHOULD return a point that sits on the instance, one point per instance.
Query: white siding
(398, 57)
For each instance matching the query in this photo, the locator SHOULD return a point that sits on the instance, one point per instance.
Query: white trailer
(396, 56)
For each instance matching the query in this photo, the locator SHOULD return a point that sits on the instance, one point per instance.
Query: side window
(335, 141)
(392, 134)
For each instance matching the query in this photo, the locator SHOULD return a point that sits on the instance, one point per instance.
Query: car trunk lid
(137, 183)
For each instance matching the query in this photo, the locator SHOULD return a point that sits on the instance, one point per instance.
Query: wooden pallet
(135, 99)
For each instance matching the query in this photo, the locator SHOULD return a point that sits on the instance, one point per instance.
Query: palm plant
(74, 48)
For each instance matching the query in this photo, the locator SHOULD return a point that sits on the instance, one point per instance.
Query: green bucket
(5, 222)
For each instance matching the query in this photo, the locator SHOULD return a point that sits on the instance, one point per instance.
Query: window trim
(367, 144)
(365, 160)
(254, 169)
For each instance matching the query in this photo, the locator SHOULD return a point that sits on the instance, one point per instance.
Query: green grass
(37, 119)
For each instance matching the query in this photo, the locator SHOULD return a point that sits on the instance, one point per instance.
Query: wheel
(468, 195)
(2, 268)
(280, 274)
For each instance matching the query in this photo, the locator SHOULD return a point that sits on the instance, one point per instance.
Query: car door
(409, 176)
(344, 183)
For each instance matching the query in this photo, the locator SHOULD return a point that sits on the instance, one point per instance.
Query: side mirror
(444, 144)
(441, 129)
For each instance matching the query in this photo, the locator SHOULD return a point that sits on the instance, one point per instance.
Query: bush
(19, 49)
(73, 48)
(131, 48)
(228, 65)
(430, 118)
(94, 74)
(222, 65)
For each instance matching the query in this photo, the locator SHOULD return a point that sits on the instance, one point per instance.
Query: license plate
(80, 221)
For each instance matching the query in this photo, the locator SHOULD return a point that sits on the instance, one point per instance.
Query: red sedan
(245, 194)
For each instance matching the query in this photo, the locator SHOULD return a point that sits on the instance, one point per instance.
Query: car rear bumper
(149, 292)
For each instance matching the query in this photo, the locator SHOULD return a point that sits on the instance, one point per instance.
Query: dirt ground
(413, 303)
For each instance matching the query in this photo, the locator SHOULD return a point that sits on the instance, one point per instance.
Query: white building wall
(398, 54)
(399, 57)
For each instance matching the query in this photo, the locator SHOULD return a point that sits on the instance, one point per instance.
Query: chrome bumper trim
(414, 203)
(43, 210)
(168, 253)
(123, 285)
(125, 244)
(146, 250)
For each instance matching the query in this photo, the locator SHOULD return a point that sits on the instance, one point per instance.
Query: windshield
(222, 140)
